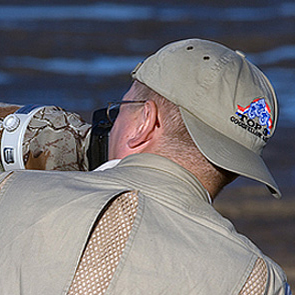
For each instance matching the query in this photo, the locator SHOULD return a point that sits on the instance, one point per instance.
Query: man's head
(227, 105)
(156, 126)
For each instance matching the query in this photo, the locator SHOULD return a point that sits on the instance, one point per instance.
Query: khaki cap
(227, 104)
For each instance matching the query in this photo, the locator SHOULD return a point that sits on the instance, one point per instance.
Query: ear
(147, 126)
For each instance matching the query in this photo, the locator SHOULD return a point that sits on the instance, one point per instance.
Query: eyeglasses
(105, 118)
(114, 108)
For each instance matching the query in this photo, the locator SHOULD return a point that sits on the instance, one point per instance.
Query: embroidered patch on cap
(260, 109)
(255, 118)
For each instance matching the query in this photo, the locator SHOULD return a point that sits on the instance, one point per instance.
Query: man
(197, 115)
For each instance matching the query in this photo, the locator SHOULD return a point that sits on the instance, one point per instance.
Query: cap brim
(228, 154)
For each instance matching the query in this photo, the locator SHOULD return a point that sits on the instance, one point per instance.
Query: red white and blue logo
(260, 109)
(255, 118)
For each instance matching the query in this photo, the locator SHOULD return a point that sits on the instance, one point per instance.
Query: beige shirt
(178, 243)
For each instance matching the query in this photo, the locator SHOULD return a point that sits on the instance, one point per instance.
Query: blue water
(114, 65)
(25, 67)
(127, 12)
(102, 65)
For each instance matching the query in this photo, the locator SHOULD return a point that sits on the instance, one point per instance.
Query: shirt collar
(108, 165)
(168, 171)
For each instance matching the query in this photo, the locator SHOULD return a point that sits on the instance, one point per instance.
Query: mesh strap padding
(257, 280)
(105, 246)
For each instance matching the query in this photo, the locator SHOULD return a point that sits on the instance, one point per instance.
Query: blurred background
(78, 55)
